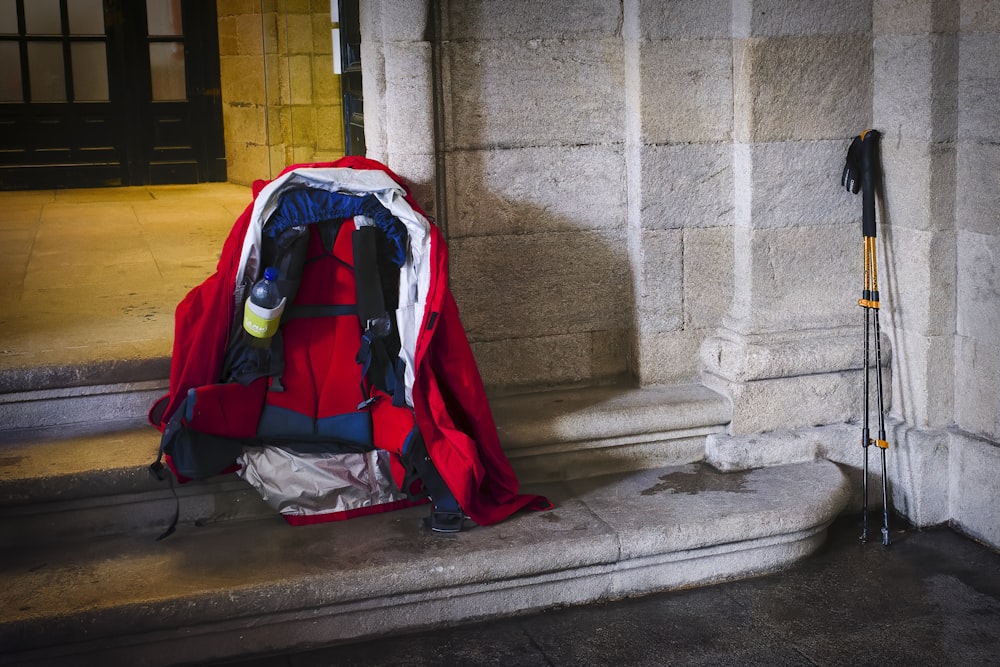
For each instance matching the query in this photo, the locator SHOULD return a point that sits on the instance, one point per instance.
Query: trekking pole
(861, 174)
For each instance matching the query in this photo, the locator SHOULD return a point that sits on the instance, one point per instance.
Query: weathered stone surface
(905, 68)
(405, 21)
(977, 188)
(686, 90)
(793, 184)
(796, 278)
(527, 190)
(409, 88)
(530, 19)
(659, 298)
(668, 357)
(791, 402)
(708, 276)
(686, 185)
(504, 93)
(801, 88)
(545, 361)
(745, 358)
(684, 19)
(920, 181)
(730, 453)
(540, 284)
(975, 487)
(923, 396)
(978, 313)
(977, 367)
(788, 17)
(978, 79)
(906, 17)
(917, 283)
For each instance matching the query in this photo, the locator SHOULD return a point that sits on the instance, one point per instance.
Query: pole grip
(869, 178)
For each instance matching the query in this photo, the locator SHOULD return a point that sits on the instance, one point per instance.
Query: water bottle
(262, 311)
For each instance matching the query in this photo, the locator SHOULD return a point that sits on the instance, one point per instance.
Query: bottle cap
(270, 273)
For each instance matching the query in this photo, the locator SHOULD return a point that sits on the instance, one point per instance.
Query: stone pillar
(679, 123)
(398, 87)
(788, 350)
(916, 107)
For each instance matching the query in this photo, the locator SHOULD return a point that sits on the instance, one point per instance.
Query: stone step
(237, 588)
(74, 479)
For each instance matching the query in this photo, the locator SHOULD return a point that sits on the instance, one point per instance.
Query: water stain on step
(700, 480)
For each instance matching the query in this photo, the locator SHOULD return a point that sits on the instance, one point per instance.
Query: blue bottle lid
(270, 273)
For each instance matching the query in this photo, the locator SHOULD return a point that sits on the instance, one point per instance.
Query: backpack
(352, 408)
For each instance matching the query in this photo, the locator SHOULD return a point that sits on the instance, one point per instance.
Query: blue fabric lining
(306, 206)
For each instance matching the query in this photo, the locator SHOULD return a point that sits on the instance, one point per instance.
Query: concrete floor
(931, 598)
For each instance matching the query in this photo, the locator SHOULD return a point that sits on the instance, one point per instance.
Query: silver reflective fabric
(309, 484)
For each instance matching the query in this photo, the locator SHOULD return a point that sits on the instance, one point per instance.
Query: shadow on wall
(546, 300)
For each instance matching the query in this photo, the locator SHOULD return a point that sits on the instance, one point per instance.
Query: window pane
(90, 72)
(86, 17)
(42, 17)
(46, 76)
(8, 17)
(10, 73)
(166, 62)
(163, 17)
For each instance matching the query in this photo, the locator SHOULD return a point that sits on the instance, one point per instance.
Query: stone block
(917, 280)
(708, 276)
(466, 20)
(527, 190)
(548, 361)
(977, 188)
(686, 90)
(686, 185)
(791, 402)
(977, 402)
(978, 286)
(659, 268)
(244, 125)
(730, 453)
(796, 279)
(906, 17)
(975, 488)
(977, 87)
(250, 33)
(540, 92)
(792, 184)
(976, 15)
(408, 92)
(790, 17)
(744, 358)
(801, 88)
(404, 21)
(419, 170)
(667, 357)
(228, 39)
(242, 80)
(923, 395)
(684, 19)
(296, 34)
(919, 184)
(330, 126)
(544, 284)
(906, 68)
(299, 77)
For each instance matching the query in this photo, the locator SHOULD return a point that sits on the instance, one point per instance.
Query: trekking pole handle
(869, 176)
(861, 173)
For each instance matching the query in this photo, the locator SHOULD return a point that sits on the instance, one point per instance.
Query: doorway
(108, 93)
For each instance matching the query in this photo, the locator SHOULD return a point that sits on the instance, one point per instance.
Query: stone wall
(281, 99)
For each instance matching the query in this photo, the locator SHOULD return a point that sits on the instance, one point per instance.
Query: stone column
(398, 88)
(916, 107)
(788, 350)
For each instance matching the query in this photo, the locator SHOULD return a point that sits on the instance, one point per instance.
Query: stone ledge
(236, 588)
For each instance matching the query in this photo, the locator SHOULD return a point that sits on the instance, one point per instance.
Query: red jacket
(448, 399)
